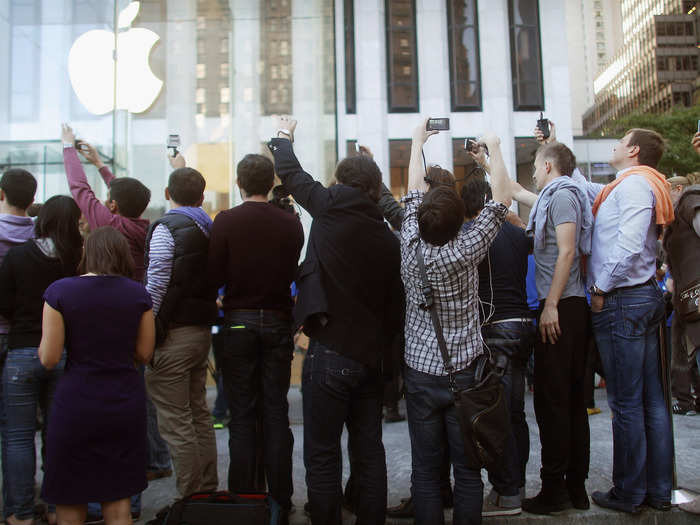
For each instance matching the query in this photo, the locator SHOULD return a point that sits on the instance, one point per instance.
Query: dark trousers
(684, 372)
(560, 404)
(340, 391)
(435, 433)
(514, 339)
(255, 362)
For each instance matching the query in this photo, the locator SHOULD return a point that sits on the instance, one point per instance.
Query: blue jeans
(515, 339)
(3, 438)
(340, 391)
(255, 362)
(434, 430)
(627, 331)
(26, 386)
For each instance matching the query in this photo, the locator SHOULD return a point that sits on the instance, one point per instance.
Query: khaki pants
(176, 382)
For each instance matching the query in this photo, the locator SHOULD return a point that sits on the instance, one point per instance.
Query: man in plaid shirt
(433, 223)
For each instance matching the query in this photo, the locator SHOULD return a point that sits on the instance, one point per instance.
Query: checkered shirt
(454, 277)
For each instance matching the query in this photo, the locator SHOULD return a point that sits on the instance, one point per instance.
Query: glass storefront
(212, 71)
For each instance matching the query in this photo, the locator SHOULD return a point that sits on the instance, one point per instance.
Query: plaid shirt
(454, 276)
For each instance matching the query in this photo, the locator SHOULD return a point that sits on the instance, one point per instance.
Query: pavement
(687, 441)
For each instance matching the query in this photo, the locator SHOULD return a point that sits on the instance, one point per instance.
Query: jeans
(255, 362)
(3, 437)
(435, 431)
(221, 403)
(560, 400)
(515, 339)
(627, 331)
(340, 391)
(26, 385)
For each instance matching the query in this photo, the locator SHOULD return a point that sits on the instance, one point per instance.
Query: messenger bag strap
(431, 307)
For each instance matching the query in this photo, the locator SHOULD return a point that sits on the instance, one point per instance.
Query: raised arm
(416, 169)
(90, 153)
(307, 192)
(391, 210)
(96, 213)
(500, 181)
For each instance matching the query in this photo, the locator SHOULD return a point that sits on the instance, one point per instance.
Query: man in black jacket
(349, 303)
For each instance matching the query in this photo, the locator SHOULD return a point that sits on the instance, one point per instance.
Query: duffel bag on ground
(220, 508)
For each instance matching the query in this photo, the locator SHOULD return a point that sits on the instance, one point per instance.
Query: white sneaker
(692, 506)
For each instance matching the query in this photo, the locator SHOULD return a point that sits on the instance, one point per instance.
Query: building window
(465, 68)
(402, 57)
(275, 42)
(25, 60)
(399, 155)
(465, 169)
(349, 20)
(525, 56)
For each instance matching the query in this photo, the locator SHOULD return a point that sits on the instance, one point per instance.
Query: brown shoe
(157, 474)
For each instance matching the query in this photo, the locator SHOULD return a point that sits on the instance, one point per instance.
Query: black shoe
(610, 501)
(546, 504)
(578, 496)
(682, 410)
(402, 510)
(654, 503)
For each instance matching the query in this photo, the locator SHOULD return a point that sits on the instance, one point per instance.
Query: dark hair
(58, 220)
(437, 176)
(559, 155)
(131, 196)
(107, 253)
(360, 172)
(651, 145)
(280, 198)
(256, 174)
(440, 215)
(19, 186)
(186, 186)
(475, 194)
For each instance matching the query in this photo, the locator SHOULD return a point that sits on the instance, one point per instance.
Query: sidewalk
(398, 452)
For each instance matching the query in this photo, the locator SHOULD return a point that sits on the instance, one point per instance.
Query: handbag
(688, 300)
(482, 411)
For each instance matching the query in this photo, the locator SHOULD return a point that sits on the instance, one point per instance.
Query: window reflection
(465, 74)
(275, 44)
(526, 61)
(399, 155)
(402, 61)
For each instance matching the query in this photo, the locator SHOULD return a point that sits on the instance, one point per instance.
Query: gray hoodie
(14, 230)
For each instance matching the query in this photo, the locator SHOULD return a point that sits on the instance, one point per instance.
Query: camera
(80, 145)
(543, 125)
(438, 124)
(473, 146)
(173, 143)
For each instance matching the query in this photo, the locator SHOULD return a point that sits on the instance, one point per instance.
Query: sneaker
(402, 510)
(593, 411)
(610, 501)
(682, 410)
(493, 506)
(218, 424)
(692, 506)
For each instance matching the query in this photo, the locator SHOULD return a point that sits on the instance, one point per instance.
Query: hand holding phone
(438, 124)
(173, 143)
(543, 126)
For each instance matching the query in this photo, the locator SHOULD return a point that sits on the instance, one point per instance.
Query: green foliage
(676, 126)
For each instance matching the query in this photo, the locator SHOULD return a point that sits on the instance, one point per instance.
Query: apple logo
(91, 67)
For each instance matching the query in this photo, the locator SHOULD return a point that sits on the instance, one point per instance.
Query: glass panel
(399, 155)
(175, 75)
(401, 56)
(465, 73)
(525, 150)
(349, 13)
(526, 60)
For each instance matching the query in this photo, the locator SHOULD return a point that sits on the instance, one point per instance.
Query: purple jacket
(97, 214)
(14, 230)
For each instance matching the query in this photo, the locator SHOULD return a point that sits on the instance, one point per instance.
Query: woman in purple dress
(96, 440)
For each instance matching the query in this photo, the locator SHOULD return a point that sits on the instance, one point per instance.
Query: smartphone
(173, 143)
(438, 124)
(80, 145)
(473, 146)
(543, 125)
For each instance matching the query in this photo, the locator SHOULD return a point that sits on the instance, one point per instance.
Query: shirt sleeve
(474, 242)
(218, 251)
(592, 189)
(636, 203)
(96, 213)
(160, 265)
(52, 296)
(563, 208)
(409, 226)
(107, 175)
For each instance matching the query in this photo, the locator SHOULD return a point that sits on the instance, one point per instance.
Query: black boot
(552, 498)
(578, 495)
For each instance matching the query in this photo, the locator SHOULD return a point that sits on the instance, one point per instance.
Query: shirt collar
(622, 172)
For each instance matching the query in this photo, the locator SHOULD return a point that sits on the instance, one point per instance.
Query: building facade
(351, 71)
(658, 66)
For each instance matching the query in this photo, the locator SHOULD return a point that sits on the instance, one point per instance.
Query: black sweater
(24, 276)
(350, 291)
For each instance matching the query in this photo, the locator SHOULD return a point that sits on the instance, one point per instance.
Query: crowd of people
(106, 330)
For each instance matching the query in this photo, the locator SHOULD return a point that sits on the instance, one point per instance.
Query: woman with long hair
(26, 272)
(105, 321)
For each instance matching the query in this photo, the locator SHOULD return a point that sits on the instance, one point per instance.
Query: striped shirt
(453, 274)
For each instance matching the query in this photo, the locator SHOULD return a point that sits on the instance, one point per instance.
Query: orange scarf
(661, 189)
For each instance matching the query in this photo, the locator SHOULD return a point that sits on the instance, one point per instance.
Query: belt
(513, 320)
(649, 281)
(261, 311)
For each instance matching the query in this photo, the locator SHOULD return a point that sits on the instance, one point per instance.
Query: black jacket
(350, 295)
(191, 296)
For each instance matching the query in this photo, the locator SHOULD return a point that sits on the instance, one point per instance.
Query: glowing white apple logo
(91, 67)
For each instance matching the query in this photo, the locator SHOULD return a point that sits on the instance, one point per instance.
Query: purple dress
(96, 436)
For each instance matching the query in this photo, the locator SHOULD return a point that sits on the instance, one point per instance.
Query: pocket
(636, 318)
